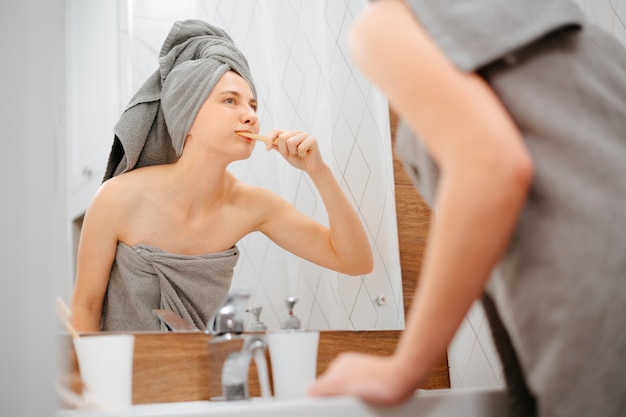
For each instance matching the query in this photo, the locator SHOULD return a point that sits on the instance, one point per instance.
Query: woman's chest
(178, 232)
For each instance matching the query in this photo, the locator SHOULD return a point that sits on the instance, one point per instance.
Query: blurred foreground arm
(485, 174)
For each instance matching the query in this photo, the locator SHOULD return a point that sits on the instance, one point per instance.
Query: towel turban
(153, 128)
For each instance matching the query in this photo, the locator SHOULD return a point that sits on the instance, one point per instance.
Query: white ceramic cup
(106, 368)
(293, 354)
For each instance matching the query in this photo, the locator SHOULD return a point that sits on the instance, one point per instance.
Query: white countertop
(427, 403)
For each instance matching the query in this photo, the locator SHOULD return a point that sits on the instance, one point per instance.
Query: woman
(520, 109)
(164, 235)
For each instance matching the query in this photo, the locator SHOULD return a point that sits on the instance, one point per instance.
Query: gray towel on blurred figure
(144, 278)
(152, 129)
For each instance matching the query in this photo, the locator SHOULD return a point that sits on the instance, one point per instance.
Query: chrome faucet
(237, 365)
(231, 350)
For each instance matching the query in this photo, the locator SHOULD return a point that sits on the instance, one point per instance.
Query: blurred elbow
(520, 172)
(364, 266)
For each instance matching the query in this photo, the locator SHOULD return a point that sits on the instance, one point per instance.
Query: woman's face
(229, 108)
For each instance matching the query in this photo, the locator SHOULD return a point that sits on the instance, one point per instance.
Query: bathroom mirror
(305, 80)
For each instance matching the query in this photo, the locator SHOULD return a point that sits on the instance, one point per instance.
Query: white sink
(431, 403)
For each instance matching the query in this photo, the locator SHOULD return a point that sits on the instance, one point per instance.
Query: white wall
(93, 106)
(92, 95)
(32, 202)
(472, 357)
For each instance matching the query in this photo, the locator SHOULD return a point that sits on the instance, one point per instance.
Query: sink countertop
(426, 403)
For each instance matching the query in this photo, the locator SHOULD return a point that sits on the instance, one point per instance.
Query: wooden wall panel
(378, 342)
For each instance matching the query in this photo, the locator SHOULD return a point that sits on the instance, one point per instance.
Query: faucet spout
(231, 350)
(237, 366)
(257, 345)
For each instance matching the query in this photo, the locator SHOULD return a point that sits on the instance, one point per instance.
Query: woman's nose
(250, 116)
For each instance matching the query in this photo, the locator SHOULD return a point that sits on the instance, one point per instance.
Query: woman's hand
(374, 379)
(298, 148)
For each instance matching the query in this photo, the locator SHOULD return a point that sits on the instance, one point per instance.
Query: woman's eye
(229, 101)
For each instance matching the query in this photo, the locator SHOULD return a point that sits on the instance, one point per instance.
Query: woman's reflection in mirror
(162, 230)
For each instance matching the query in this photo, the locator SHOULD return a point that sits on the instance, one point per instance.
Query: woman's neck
(197, 185)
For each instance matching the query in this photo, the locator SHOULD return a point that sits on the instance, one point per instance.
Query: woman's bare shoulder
(253, 194)
(258, 204)
(124, 192)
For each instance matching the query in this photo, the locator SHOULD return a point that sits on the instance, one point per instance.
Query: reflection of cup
(293, 354)
(106, 368)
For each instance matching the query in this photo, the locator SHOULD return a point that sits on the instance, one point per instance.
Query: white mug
(293, 355)
(106, 369)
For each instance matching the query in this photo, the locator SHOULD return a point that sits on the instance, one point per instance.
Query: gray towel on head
(152, 129)
(144, 278)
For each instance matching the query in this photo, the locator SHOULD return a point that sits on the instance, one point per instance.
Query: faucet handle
(291, 302)
(257, 325)
(256, 312)
(291, 321)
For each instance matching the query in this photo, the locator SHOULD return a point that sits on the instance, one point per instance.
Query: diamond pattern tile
(348, 290)
(472, 356)
(357, 174)
(364, 314)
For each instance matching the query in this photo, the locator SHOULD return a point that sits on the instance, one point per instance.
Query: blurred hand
(376, 380)
(298, 148)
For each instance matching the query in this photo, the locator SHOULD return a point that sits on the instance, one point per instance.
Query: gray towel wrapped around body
(144, 278)
(153, 128)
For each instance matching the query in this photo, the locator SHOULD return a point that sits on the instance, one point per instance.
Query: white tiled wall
(305, 80)
(472, 357)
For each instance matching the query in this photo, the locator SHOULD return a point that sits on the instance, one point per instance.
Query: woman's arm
(343, 246)
(96, 252)
(485, 175)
